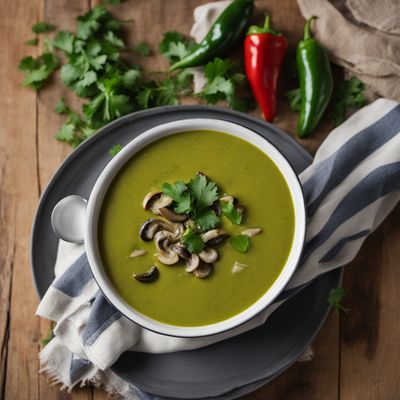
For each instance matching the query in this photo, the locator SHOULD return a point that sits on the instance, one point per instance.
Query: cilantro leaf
(64, 41)
(175, 47)
(178, 192)
(130, 77)
(42, 27)
(224, 82)
(240, 243)
(192, 241)
(115, 150)
(204, 192)
(335, 298)
(61, 107)
(32, 42)
(294, 99)
(142, 49)
(207, 219)
(349, 95)
(38, 70)
(231, 212)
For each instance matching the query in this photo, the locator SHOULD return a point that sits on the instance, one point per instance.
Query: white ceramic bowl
(90, 225)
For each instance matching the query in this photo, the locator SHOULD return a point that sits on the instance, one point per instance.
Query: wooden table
(357, 355)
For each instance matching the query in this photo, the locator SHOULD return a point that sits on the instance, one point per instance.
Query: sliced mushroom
(165, 253)
(162, 202)
(150, 198)
(214, 236)
(153, 225)
(209, 255)
(250, 232)
(172, 216)
(169, 258)
(192, 263)
(203, 270)
(138, 253)
(155, 200)
(182, 251)
(147, 276)
(238, 267)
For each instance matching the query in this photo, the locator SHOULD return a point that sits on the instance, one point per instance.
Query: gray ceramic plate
(222, 371)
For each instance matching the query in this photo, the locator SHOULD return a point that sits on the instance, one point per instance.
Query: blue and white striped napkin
(350, 188)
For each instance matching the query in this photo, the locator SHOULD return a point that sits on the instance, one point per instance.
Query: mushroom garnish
(203, 270)
(155, 200)
(192, 215)
(147, 276)
(153, 225)
(192, 263)
(172, 216)
(137, 253)
(250, 232)
(214, 237)
(165, 253)
(238, 267)
(209, 255)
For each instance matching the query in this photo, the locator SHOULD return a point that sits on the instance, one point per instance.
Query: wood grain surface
(357, 355)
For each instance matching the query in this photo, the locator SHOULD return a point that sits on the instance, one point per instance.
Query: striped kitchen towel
(350, 188)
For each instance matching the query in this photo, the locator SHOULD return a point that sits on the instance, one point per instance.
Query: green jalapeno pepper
(222, 36)
(316, 83)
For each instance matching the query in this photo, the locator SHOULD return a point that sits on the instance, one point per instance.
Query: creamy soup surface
(177, 297)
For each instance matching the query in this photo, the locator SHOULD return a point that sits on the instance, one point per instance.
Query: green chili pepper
(316, 83)
(222, 36)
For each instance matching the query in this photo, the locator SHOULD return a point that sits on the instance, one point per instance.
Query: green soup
(177, 297)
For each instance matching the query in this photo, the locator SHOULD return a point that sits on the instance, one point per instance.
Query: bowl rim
(111, 170)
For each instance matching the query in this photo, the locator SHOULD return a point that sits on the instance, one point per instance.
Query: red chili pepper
(264, 51)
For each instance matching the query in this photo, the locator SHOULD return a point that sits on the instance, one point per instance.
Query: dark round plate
(224, 370)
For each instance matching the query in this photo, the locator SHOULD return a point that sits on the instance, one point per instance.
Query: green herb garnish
(207, 219)
(181, 196)
(203, 191)
(231, 212)
(43, 27)
(240, 243)
(335, 298)
(115, 150)
(192, 241)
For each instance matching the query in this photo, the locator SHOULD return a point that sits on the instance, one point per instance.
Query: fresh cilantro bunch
(93, 68)
(196, 200)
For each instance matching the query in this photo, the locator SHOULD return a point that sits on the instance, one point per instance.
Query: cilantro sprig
(195, 199)
(226, 81)
(335, 298)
